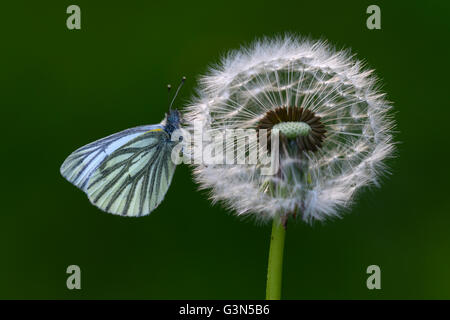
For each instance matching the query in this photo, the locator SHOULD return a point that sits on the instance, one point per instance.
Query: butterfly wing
(80, 165)
(133, 180)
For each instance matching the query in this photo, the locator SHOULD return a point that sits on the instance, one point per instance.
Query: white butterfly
(127, 173)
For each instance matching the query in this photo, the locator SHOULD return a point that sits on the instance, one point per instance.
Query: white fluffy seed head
(239, 91)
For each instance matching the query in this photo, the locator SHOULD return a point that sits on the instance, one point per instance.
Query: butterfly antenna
(178, 90)
(168, 95)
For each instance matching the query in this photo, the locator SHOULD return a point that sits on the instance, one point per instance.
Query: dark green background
(61, 89)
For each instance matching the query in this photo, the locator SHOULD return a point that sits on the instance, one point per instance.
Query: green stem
(275, 266)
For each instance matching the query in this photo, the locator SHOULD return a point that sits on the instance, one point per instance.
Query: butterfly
(127, 173)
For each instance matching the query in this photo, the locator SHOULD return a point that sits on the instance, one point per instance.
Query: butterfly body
(127, 173)
(172, 121)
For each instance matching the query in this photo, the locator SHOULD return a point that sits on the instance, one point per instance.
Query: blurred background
(61, 89)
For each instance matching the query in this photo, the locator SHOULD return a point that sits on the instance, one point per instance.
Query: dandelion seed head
(335, 127)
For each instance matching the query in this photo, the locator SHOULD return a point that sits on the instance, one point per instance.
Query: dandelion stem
(275, 265)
